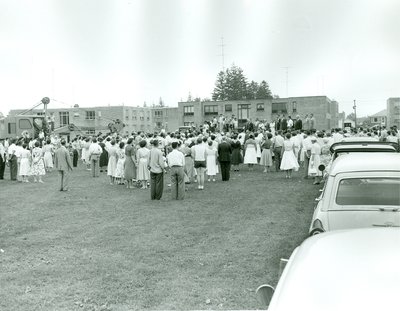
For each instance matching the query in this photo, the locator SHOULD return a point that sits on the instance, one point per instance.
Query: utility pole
(222, 45)
(355, 114)
(287, 80)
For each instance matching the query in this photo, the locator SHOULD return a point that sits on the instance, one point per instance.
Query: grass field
(104, 247)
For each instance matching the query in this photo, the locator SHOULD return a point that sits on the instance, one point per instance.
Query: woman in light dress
(37, 168)
(119, 170)
(266, 155)
(258, 140)
(112, 161)
(315, 161)
(211, 161)
(289, 161)
(48, 150)
(25, 164)
(142, 162)
(88, 142)
(250, 156)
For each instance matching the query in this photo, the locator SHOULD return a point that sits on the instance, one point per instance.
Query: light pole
(355, 114)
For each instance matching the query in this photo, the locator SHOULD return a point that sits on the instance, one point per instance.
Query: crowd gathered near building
(192, 155)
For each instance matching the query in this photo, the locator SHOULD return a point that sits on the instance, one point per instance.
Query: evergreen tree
(252, 90)
(263, 91)
(220, 87)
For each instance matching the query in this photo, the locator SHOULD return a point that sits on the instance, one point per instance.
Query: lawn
(104, 247)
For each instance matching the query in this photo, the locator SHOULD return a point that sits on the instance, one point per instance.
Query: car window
(369, 191)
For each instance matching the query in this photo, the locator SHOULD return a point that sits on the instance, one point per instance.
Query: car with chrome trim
(361, 190)
(340, 270)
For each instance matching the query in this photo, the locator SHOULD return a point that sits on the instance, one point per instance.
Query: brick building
(393, 111)
(75, 121)
(379, 118)
(326, 111)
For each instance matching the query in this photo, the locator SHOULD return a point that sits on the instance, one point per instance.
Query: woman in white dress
(315, 161)
(119, 170)
(250, 156)
(48, 150)
(37, 163)
(142, 161)
(259, 140)
(112, 161)
(211, 161)
(289, 161)
(25, 164)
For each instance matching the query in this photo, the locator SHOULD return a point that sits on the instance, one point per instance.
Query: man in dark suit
(298, 124)
(63, 164)
(224, 158)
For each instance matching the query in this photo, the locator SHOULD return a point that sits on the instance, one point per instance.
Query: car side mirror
(265, 293)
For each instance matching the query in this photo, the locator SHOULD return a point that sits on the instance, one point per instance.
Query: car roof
(353, 269)
(366, 161)
(363, 146)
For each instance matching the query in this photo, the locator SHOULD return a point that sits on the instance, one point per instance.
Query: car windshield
(369, 191)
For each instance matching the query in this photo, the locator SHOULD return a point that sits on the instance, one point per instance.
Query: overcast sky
(100, 52)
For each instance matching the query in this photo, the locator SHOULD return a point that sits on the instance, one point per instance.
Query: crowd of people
(141, 160)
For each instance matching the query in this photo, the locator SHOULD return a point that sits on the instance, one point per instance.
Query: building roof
(382, 113)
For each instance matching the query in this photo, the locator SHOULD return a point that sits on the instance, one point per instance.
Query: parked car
(355, 145)
(361, 190)
(340, 270)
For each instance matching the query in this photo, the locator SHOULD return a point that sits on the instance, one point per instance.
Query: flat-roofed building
(326, 111)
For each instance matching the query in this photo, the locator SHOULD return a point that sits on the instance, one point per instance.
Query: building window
(141, 118)
(148, 118)
(127, 117)
(25, 124)
(279, 108)
(228, 107)
(158, 124)
(188, 123)
(295, 107)
(243, 112)
(40, 113)
(188, 110)
(260, 107)
(158, 114)
(12, 128)
(90, 115)
(134, 118)
(375, 119)
(90, 131)
(211, 110)
(64, 118)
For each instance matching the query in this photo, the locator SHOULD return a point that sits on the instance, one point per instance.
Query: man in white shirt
(277, 145)
(94, 156)
(176, 162)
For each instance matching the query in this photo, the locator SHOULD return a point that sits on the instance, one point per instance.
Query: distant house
(379, 118)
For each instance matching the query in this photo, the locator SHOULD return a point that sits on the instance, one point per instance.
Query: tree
(232, 84)
(236, 83)
(263, 91)
(219, 92)
(252, 90)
